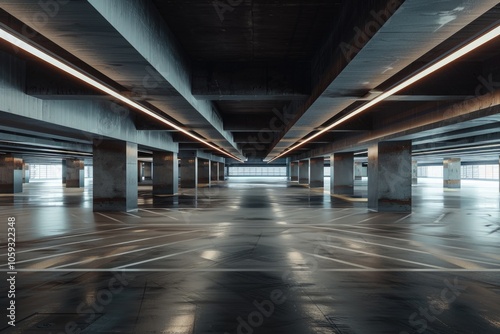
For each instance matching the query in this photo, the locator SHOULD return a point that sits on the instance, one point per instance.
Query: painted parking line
(129, 252)
(337, 260)
(111, 218)
(159, 258)
(383, 256)
(94, 248)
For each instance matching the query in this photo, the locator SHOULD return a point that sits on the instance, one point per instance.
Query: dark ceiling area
(256, 77)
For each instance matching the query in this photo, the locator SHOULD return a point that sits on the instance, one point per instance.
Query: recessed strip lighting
(485, 38)
(14, 40)
(457, 149)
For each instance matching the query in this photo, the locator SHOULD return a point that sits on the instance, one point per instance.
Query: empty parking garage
(249, 166)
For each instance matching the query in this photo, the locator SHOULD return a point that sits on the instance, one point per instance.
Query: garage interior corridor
(254, 255)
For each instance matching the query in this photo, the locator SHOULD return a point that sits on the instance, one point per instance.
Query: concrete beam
(244, 81)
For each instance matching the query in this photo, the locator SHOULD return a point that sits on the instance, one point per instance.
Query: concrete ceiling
(255, 77)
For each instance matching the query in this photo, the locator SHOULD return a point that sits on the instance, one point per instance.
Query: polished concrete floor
(255, 256)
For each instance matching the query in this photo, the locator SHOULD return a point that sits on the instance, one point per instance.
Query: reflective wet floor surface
(254, 256)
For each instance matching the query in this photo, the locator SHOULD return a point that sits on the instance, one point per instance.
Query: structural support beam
(452, 173)
(358, 171)
(414, 172)
(203, 172)
(317, 172)
(165, 173)
(11, 174)
(389, 177)
(304, 171)
(222, 169)
(75, 177)
(26, 173)
(189, 172)
(294, 171)
(341, 174)
(63, 169)
(214, 170)
(115, 178)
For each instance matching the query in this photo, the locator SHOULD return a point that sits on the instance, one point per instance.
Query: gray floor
(255, 256)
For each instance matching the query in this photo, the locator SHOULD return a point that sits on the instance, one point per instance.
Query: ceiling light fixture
(14, 40)
(485, 38)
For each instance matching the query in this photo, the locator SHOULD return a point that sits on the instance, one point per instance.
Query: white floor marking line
(159, 214)
(336, 260)
(130, 214)
(439, 218)
(127, 252)
(384, 256)
(83, 234)
(377, 244)
(367, 219)
(338, 218)
(159, 258)
(57, 246)
(93, 248)
(401, 219)
(116, 220)
(410, 233)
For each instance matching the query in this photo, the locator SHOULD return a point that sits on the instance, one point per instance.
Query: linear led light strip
(5, 35)
(422, 74)
(457, 149)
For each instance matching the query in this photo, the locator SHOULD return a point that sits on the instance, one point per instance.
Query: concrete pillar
(11, 174)
(414, 172)
(189, 172)
(222, 169)
(452, 173)
(358, 170)
(294, 171)
(165, 173)
(341, 174)
(317, 172)
(148, 171)
(203, 171)
(63, 169)
(115, 175)
(75, 177)
(389, 176)
(139, 171)
(26, 173)
(304, 171)
(214, 170)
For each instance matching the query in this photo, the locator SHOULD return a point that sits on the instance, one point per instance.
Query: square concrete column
(341, 174)
(294, 171)
(26, 173)
(165, 173)
(63, 169)
(75, 177)
(452, 173)
(214, 170)
(304, 171)
(222, 169)
(389, 177)
(358, 171)
(203, 171)
(317, 172)
(189, 172)
(414, 172)
(115, 175)
(11, 174)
